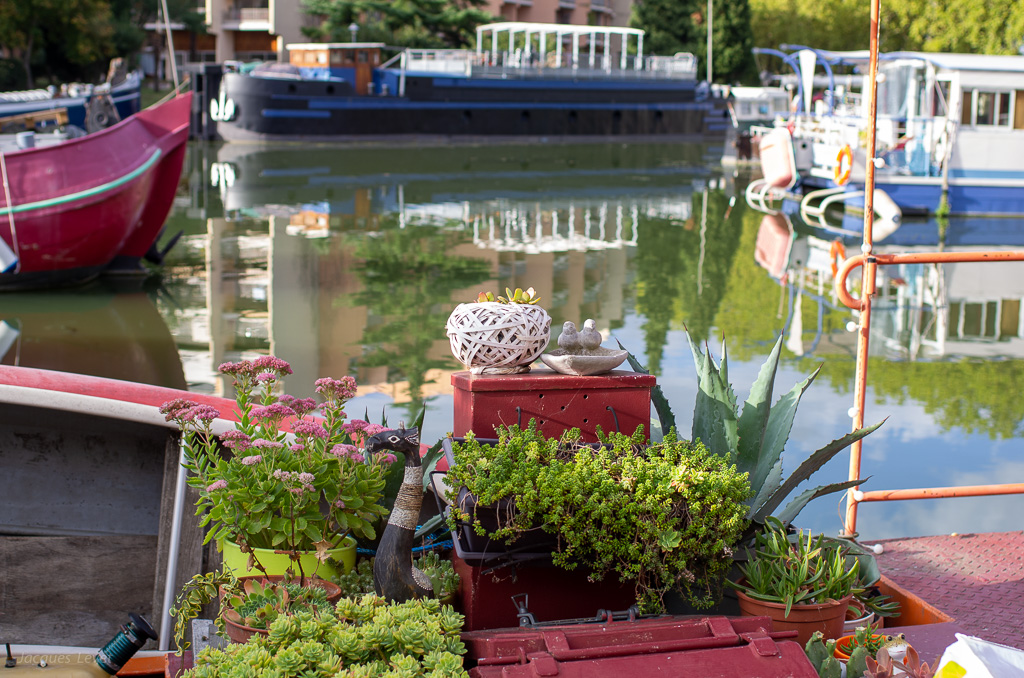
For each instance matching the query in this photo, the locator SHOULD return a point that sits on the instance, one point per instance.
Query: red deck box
(616, 401)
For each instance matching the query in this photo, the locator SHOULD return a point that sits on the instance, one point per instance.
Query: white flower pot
(489, 337)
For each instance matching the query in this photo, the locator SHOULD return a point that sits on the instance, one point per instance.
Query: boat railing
(869, 261)
(524, 64)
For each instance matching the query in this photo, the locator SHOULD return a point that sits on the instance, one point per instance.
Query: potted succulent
(804, 584)
(284, 491)
(661, 516)
(249, 604)
(363, 637)
(872, 642)
(499, 335)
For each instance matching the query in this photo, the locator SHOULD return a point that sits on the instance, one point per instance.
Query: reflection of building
(963, 309)
(920, 311)
(282, 266)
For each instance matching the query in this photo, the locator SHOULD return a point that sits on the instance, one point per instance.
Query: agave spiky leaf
(754, 420)
(809, 466)
(794, 507)
(714, 415)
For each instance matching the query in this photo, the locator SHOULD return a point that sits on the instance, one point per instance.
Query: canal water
(348, 260)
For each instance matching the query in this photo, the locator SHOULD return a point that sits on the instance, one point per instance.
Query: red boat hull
(79, 205)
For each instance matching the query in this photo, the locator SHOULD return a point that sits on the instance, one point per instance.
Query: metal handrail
(869, 262)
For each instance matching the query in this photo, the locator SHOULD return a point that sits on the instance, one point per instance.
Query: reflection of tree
(408, 278)
(970, 395)
(682, 272)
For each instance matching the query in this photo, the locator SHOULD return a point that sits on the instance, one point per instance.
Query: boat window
(940, 99)
(362, 57)
(985, 114)
(1018, 110)
(990, 108)
(1003, 110)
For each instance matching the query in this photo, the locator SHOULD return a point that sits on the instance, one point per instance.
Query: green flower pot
(342, 559)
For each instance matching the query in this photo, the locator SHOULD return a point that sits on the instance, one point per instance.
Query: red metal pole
(916, 258)
(867, 275)
(941, 492)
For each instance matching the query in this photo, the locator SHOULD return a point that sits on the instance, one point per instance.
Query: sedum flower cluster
(363, 638)
(283, 479)
(665, 516)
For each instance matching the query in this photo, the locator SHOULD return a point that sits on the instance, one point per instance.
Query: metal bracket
(527, 620)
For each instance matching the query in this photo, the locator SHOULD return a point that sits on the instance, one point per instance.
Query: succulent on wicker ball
(499, 335)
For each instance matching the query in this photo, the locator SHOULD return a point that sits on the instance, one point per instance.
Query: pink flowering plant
(283, 479)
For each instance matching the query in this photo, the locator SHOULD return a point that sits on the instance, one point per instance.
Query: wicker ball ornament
(494, 338)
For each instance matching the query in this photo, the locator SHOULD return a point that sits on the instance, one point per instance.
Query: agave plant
(755, 438)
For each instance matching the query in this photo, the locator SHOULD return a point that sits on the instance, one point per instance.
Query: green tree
(405, 23)
(995, 27)
(61, 38)
(682, 26)
(836, 25)
(988, 27)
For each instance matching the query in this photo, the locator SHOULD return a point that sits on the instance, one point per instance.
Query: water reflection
(349, 260)
(98, 330)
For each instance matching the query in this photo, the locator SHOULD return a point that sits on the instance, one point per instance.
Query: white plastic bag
(971, 657)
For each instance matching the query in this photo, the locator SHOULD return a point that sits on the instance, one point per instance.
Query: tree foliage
(405, 23)
(682, 26)
(980, 26)
(74, 40)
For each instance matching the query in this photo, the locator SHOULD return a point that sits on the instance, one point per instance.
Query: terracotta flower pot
(804, 619)
(845, 646)
(240, 633)
(332, 590)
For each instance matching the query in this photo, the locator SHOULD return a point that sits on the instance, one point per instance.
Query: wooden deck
(977, 579)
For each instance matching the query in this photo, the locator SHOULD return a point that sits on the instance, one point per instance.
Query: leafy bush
(665, 516)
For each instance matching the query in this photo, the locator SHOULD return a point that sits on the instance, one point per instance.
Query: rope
(10, 212)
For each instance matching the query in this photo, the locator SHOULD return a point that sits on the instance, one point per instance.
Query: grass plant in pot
(285, 491)
(662, 516)
(804, 584)
(499, 335)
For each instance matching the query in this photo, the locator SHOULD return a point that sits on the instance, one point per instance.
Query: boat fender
(844, 165)
(836, 255)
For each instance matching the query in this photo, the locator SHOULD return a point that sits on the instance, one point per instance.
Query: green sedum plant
(663, 515)
(754, 439)
(364, 637)
(800, 571)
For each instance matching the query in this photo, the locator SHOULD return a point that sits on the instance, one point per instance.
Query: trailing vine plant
(664, 516)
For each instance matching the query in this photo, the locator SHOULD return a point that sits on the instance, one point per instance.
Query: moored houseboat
(950, 131)
(522, 79)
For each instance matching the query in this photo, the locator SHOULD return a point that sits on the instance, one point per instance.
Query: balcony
(247, 19)
(601, 6)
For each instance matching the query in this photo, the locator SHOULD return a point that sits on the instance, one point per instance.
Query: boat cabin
(351, 61)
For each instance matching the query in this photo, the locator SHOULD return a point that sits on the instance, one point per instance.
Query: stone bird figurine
(590, 338)
(569, 339)
(394, 576)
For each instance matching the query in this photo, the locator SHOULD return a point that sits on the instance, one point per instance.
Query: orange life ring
(844, 164)
(836, 254)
